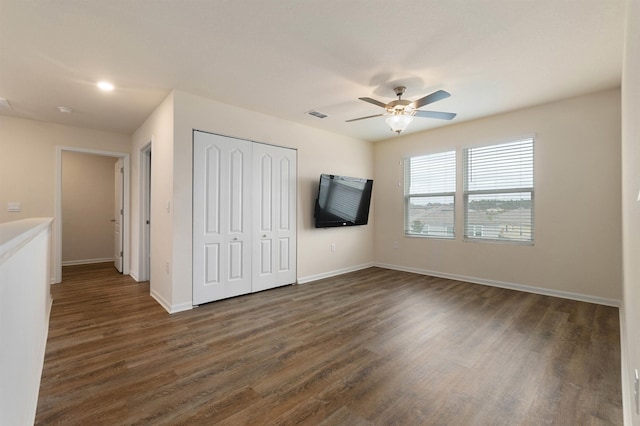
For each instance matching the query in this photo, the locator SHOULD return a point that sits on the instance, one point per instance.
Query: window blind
(499, 191)
(430, 186)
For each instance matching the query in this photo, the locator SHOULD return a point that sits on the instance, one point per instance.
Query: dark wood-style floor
(372, 347)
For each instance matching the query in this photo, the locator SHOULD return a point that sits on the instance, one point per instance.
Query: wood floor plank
(373, 347)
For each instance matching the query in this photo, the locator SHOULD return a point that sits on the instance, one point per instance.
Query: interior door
(118, 213)
(145, 258)
(274, 218)
(221, 217)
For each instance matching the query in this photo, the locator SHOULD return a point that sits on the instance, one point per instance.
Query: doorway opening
(124, 218)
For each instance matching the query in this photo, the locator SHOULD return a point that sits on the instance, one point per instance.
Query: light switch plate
(14, 206)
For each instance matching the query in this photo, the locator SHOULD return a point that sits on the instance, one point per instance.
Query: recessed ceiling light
(105, 86)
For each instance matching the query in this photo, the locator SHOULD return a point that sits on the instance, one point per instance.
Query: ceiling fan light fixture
(400, 112)
(105, 86)
(399, 122)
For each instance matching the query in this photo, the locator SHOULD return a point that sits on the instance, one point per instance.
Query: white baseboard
(172, 309)
(627, 394)
(166, 305)
(181, 307)
(511, 286)
(330, 274)
(87, 261)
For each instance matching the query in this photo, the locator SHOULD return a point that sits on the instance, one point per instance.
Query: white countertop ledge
(17, 234)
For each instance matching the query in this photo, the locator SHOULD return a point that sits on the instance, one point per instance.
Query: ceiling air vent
(317, 114)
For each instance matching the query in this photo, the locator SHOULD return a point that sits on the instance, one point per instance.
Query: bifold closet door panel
(221, 217)
(274, 217)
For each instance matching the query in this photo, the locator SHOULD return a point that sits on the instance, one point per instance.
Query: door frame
(57, 228)
(118, 213)
(144, 272)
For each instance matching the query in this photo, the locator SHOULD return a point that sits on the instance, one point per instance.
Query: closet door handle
(235, 238)
(264, 236)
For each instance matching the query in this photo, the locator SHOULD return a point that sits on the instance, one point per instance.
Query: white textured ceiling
(286, 57)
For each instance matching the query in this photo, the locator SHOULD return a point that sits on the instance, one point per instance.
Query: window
(498, 192)
(430, 187)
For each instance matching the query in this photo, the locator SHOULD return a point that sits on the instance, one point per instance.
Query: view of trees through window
(431, 216)
(499, 217)
(430, 186)
(498, 193)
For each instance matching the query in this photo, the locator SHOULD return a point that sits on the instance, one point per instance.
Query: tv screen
(342, 201)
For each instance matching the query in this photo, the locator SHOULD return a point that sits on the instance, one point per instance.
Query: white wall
(631, 208)
(25, 304)
(577, 201)
(28, 163)
(157, 130)
(318, 152)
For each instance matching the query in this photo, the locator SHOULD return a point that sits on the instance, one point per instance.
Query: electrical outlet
(166, 267)
(396, 245)
(333, 247)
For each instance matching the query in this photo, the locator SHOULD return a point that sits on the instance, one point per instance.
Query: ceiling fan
(401, 111)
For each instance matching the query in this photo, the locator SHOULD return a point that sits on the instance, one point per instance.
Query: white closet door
(221, 217)
(274, 218)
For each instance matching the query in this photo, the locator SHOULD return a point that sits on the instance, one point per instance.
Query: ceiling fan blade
(373, 101)
(363, 118)
(434, 97)
(435, 114)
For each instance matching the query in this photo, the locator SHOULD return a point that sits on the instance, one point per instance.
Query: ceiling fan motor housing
(398, 107)
(399, 90)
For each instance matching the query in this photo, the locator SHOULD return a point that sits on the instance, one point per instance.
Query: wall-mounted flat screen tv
(342, 201)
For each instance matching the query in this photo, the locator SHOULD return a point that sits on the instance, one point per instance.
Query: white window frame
(500, 189)
(449, 230)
